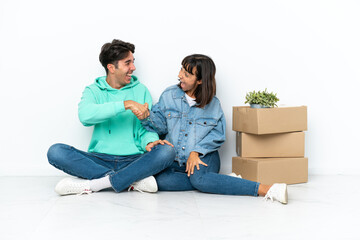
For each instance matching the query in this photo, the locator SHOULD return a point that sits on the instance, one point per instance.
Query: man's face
(124, 70)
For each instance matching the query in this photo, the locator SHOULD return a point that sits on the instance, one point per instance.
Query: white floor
(327, 207)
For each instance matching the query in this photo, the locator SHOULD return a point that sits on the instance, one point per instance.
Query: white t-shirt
(190, 100)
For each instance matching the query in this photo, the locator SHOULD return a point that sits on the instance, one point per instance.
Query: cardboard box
(270, 145)
(269, 120)
(272, 170)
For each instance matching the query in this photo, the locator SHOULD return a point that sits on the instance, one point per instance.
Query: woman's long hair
(205, 71)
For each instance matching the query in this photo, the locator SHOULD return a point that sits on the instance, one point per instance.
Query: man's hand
(193, 161)
(139, 110)
(153, 144)
(142, 114)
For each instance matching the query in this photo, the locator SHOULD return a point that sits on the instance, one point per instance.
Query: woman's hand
(193, 161)
(141, 111)
(149, 146)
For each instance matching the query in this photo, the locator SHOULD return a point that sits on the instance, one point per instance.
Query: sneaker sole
(286, 196)
(61, 189)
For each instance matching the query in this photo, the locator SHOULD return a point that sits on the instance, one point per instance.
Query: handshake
(141, 111)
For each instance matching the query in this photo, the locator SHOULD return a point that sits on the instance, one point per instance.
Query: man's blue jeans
(122, 170)
(207, 179)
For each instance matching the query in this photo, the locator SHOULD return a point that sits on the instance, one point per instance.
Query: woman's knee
(213, 162)
(197, 180)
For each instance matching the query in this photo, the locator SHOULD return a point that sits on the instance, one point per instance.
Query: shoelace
(86, 191)
(267, 196)
(134, 188)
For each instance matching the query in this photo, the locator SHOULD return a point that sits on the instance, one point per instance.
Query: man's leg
(207, 179)
(106, 170)
(78, 163)
(93, 166)
(150, 163)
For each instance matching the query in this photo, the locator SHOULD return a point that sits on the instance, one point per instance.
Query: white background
(308, 52)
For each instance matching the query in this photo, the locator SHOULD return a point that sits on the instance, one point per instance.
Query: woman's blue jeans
(207, 179)
(122, 170)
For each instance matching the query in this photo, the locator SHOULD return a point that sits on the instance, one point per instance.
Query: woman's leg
(174, 178)
(207, 179)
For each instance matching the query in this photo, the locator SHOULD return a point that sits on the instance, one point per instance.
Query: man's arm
(91, 113)
(141, 111)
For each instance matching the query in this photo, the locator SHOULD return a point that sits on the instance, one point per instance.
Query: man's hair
(115, 51)
(205, 71)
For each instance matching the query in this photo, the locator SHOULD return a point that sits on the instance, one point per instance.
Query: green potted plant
(262, 99)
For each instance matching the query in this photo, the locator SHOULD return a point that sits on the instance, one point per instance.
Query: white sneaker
(73, 186)
(278, 192)
(145, 185)
(234, 175)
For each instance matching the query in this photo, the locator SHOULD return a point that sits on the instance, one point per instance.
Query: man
(121, 152)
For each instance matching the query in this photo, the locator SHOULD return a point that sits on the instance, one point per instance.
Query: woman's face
(188, 81)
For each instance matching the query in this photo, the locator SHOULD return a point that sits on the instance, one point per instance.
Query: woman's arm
(156, 121)
(213, 140)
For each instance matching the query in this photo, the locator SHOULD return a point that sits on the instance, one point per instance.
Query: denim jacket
(188, 128)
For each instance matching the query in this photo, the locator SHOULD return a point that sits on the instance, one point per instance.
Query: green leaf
(262, 97)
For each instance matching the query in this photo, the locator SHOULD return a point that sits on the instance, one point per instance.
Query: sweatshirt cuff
(119, 107)
(150, 137)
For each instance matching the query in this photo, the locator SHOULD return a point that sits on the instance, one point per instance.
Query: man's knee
(165, 154)
(55, 153)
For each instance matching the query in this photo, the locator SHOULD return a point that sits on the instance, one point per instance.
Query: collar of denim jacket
(179, 93)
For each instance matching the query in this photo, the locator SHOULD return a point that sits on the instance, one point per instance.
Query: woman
(190, 117)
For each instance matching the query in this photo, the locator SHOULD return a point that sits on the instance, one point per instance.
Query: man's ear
(111, 67)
